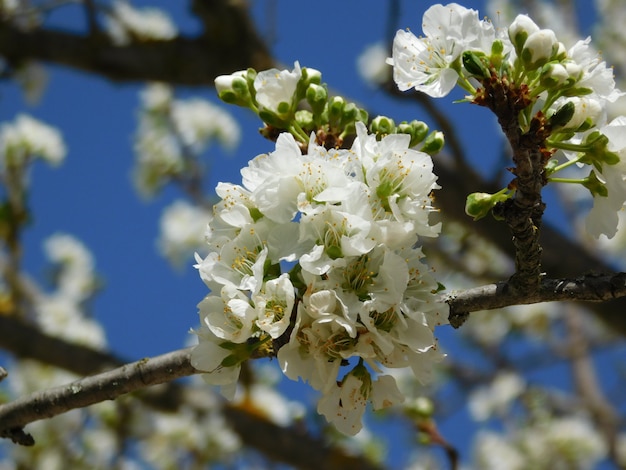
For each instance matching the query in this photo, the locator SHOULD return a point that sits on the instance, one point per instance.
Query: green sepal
(595, 186)
(476, 63)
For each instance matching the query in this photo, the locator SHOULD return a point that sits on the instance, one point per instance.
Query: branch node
(18, 436)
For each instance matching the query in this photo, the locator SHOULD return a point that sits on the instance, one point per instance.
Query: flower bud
(433, 143)
(416, 129)
(310, 76)
(316, 96)
(519, 31)
(554, 75)
(233, 88)
(539, 48)
(585, 109)
(335, 110)
(478, 205)
(382, 125)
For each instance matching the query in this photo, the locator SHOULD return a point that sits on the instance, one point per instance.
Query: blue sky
(146, 307)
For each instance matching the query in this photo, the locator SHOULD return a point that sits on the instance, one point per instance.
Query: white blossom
(183, 227)
(275, 89)
(602, 218)
(29, 137)
(372, 66)
(147, 24)
(426, 63)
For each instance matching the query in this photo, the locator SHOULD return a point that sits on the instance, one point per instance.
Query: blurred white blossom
(28, 137)
(496, 397)
(183, 226)
(372, 65)
(126, 23)
(172, 133)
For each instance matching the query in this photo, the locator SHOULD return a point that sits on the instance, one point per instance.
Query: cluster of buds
(298, 102)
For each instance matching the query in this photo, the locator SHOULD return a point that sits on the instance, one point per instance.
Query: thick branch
(182, 60)
(586, 288)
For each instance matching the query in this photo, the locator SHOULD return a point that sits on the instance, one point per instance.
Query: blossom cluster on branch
(313, 260)
(555, 95)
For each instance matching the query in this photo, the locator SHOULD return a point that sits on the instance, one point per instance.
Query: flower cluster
(313, 260)
(562, 92)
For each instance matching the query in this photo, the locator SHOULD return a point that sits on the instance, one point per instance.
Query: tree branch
(182, 60)
(282, 444)
(594, 288)
(90, 390)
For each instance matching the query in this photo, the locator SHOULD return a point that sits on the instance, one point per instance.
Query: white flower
(208, 356)
(595, 74)
(230, 317)
(494, 452)
(274, 305)
(426, 63)
(183, 227)
(240, 262)
(157, 97)
(59, 315)
(76, 278)
(146, 24)
(602, 218)
(275, 89)
(566, 442)
(29, 137)
(198, 121)
(372, 66)
(585, 108)
(173, 131)
(401, 182)
(345, 404)
(496, 397)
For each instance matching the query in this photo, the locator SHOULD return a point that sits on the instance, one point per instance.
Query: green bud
(311, 76)
(433, 143)
(305, 120)
(478, 205)
(335, 111)
(363, 116)
(416, 129)
(476, 63)
(497, 49)
(595, 186)
(382, 125)
(234, 89)
(316, 96)
(350, 113)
